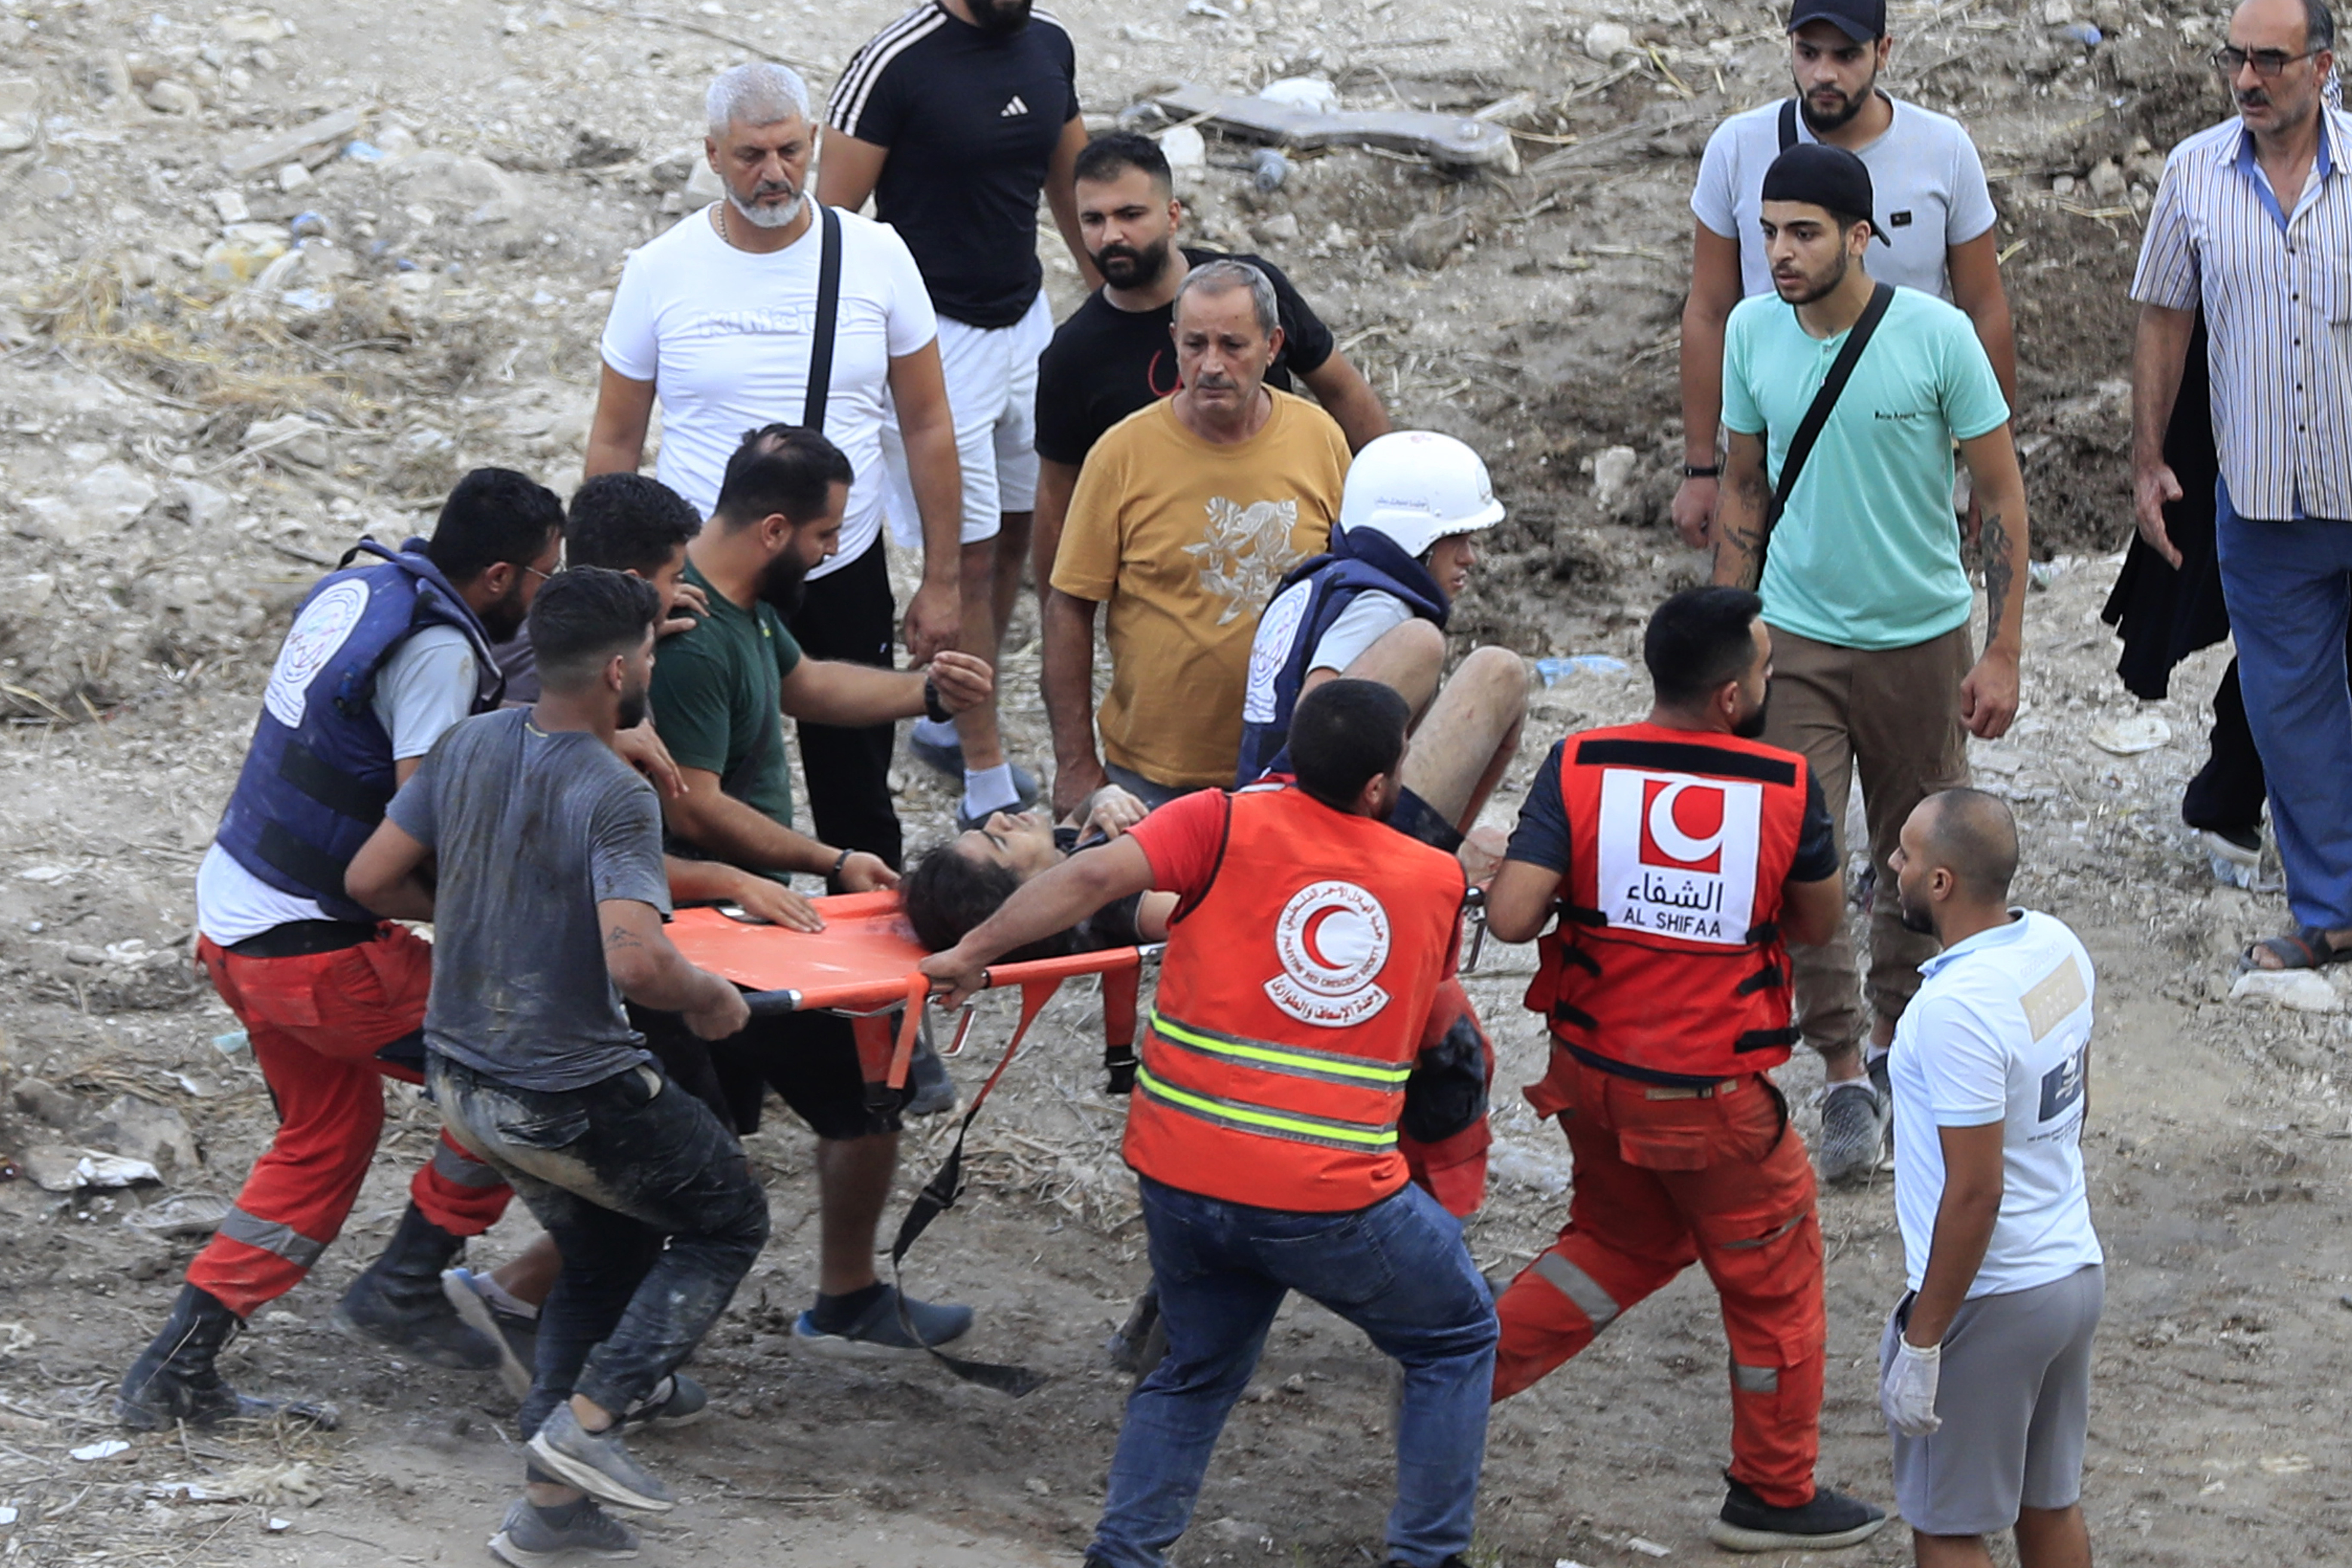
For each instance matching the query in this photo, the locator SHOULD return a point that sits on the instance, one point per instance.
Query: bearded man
(1864, 588)
(721, 319)
(719, 695)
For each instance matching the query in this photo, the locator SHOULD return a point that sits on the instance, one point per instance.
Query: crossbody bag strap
(1788, 123)
(1817, 414)
(828, 309)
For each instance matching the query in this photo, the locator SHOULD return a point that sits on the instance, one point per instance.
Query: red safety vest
(1667, 957)
(1292, 997)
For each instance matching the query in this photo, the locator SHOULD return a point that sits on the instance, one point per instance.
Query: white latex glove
(1908, 1393)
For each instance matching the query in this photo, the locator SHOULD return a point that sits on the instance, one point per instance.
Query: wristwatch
(1701, 470)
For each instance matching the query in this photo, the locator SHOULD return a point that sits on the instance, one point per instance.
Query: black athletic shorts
(808, 1059)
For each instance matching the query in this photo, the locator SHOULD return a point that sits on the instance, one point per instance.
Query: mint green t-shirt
(1867, 554)
(718, 699)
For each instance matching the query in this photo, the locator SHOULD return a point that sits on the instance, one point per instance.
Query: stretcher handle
(774, 1003)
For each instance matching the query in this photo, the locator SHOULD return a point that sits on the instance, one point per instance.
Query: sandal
(2306, 949)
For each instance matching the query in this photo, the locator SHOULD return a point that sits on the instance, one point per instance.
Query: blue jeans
(1397, 1270)
(2289, 589)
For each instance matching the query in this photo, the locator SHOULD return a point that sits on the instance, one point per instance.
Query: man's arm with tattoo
(652, 973)
(1990, 694)
(1743, 500)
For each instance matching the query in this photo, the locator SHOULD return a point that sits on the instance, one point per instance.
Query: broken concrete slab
(272, 150)
(1453, 140)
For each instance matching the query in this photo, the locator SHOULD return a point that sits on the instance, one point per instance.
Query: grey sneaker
(878, 1333)
(528, 1540)
(677, 1401)
(1853, 1126)
(596, 1463)
(516, 1336)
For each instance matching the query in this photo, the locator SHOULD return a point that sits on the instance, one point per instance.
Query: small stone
(1186, 149)
(1425, 242)
(144, 1131)
(46, 1103)
(2305, 990)
(2057, 13)
(230, 206)
(101, 501)
(169, 97)
(252, 28)
(14, 137)
(2063, 186)
(1604, 41)
(291, 440)
(295, 177)
(1277, 228)
(1613, 472)
(2106, 180)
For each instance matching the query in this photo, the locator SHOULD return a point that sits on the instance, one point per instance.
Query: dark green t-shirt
(718, 699)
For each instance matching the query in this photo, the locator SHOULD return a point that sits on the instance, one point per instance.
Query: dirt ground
(181, 453)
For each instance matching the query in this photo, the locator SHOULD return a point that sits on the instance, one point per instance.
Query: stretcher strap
(945, 1185)
(1119, 992)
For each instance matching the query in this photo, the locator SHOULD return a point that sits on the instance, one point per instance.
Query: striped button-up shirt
(2277, 290)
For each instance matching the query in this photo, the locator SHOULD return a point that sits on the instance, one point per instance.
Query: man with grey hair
(1186, 516)
(720, 318)
(955, 117)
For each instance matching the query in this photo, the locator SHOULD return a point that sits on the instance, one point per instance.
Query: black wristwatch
(936, 709)
(1701, 470)
(833, 878)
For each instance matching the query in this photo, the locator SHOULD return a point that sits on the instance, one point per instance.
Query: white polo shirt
(1925, 176)
(725, 336)
(2001, 1031)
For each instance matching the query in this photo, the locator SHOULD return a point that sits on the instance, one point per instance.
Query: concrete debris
(448, 181)
(1186, 149)
(2305, 990)
(1604, 41)
(1311, 93)
(1453, 140)
(100, 503)
(48, 1104)
(272, 150)
(1613, 474)
(252, 27)
(231, 206)
(58, 1168)
(2106, 180)
(295, 176)
(169, 97)
(140, 1130)
(291, 439)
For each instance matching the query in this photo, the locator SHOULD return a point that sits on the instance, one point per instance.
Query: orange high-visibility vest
(1667, 957)
(1292, 998)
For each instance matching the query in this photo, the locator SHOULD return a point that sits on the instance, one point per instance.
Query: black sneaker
(596, 1463)
(878, 1333)
(1854, 1131)
(528, 1540)
(1830, 1520)
(677, 1401)
(515, 1336)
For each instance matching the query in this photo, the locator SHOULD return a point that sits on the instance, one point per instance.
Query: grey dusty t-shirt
(532, 831)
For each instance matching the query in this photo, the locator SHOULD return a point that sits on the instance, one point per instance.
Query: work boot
(1830, 1520)
(175, 1380)
(399, 1302)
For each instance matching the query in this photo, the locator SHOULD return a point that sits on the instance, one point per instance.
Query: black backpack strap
(1788, 123)
(828, 308)
(1817, 414)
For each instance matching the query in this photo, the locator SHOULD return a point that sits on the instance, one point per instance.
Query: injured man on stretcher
(963, 881)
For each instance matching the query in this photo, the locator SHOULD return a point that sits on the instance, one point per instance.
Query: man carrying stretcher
(1308, 950)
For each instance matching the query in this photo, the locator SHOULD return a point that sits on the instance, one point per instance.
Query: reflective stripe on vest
(1330, 1067)
(1296, 1126)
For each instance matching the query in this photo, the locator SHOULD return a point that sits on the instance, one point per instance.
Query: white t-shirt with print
(725, 337)
(1925, 176)
(2001, 1031)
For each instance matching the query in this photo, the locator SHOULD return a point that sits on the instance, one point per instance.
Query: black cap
(1825, 176)
(1864, 21)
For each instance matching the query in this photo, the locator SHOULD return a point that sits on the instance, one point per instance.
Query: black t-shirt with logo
(970, 119)
(1104, 362)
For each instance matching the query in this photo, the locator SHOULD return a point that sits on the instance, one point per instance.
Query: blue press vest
(1325, 587)
(320, 771)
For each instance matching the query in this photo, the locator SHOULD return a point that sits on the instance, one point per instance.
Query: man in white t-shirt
(718, 318)
(1985, 1366)
(1931, 186)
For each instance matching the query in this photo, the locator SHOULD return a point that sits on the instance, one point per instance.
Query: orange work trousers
(316, 1022)
(1666, 1177)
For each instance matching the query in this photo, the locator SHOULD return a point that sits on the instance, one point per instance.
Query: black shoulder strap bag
(1817, 414)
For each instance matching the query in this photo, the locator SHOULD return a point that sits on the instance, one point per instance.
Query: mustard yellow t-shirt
(1185, 539)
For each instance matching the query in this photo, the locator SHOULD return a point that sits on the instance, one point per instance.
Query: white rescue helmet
(1415, 488)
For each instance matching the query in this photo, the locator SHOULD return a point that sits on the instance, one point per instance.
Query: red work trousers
(1665, 1177)
(316, 1022)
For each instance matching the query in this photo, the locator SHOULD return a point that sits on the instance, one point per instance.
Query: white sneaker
(1853, 1129)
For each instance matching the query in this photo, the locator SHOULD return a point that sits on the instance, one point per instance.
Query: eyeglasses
(2228, 59)
(542, 576)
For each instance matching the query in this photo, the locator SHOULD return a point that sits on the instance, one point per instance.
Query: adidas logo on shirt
(1013, 107)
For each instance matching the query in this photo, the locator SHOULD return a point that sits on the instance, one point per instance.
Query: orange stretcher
(863, 967)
